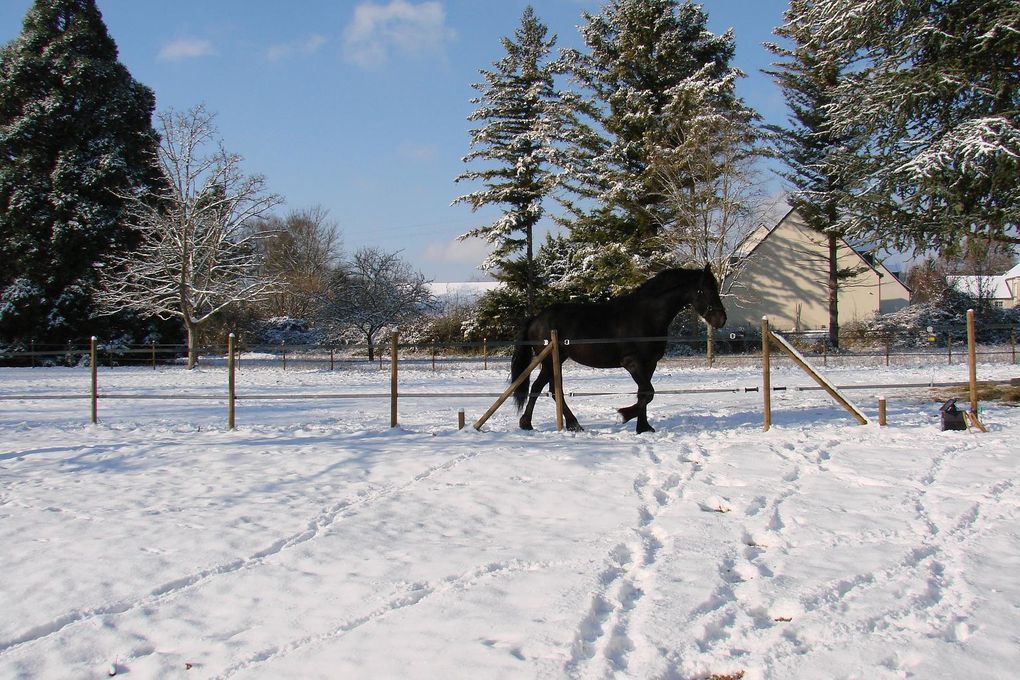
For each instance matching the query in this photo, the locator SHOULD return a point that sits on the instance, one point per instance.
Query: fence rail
(996, 343)
(239, 355)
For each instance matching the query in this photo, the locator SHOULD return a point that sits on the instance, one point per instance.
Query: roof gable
(993, 287)
(793, 219)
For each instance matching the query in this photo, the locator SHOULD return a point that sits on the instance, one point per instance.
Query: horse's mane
(664, 280)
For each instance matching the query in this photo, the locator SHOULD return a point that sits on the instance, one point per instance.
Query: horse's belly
(596, 359)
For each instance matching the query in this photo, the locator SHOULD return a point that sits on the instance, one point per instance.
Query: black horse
(643, 313)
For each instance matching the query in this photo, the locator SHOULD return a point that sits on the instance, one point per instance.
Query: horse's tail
(520, 362)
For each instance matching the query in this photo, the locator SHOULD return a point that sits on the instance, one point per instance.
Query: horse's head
(707, 302)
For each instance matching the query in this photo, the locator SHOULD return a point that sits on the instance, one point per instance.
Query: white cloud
(306, 47)
(399, 26)
(468, 251)
(419, 152)
(186, 48)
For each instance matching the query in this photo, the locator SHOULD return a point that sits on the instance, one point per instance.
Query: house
(1001, 291)
(461, 292)
(783, 272)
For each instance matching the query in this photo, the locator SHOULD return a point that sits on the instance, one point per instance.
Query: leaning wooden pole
(554, 340)
(766, 378)
(831, 389)
(513, 386)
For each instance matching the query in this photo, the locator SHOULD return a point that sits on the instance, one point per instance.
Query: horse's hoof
(575, 427)
(526, 426)
(627, 413)
(646, 428)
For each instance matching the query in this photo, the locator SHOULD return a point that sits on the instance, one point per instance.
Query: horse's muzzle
(716, 318)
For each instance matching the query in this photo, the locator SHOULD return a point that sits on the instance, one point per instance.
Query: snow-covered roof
(991, 287)
(1013, 273)
(465, 291)
(752, 240)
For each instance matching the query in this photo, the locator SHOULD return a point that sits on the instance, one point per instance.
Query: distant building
(1001, 291)
(784, 273)
(461, 292)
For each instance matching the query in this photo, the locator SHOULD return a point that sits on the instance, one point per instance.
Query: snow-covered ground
(315, 542)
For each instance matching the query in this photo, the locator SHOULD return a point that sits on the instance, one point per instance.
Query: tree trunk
(371, 350)
(192, 358)
(833, 291)
(530, 287)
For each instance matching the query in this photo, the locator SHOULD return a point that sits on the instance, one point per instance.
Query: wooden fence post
(554, 340)
(766, 378)
(31, 353)
(230, 382)
(1012, 343)
(460, 419)
(972, 360)
(93, 366)
(283, 352)
(949, 345)
(153, 347)
(393, 378)
(331, 358)
(485, 354)
(881, 412)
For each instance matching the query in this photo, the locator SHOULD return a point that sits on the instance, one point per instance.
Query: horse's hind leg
(569, 420)
(544, 376)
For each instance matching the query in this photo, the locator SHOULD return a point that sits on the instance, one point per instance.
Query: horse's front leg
(642, 375)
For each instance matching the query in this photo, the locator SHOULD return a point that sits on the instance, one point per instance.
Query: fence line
(95, 395)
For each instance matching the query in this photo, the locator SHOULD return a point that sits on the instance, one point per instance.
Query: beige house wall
(785, 278)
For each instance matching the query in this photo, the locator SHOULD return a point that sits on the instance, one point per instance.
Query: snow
(315, 542)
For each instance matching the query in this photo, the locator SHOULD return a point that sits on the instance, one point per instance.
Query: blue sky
(361, 106)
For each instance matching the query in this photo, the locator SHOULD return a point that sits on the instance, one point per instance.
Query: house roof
(467, 291)
(993, 287)
(756, 237)
(1013, 273)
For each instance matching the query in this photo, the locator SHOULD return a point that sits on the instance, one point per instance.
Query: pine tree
(933, 96)
(642, 55)
(523, 117)
(75, 137)
(814, 153)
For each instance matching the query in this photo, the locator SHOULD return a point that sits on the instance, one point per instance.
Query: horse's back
(571, 320)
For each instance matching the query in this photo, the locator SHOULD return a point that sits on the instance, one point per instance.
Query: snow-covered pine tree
(815, 155)
(523, 117)
(638, 53)
(933, 93)
(75, 137)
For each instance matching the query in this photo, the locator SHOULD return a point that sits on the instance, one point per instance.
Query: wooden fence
(395, 395)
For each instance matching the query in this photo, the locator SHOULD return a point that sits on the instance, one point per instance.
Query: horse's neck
(660, 310)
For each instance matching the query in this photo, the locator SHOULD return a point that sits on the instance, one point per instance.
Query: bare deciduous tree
(711, 192)
(301, 251)
(375, 290)
(196, 254)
